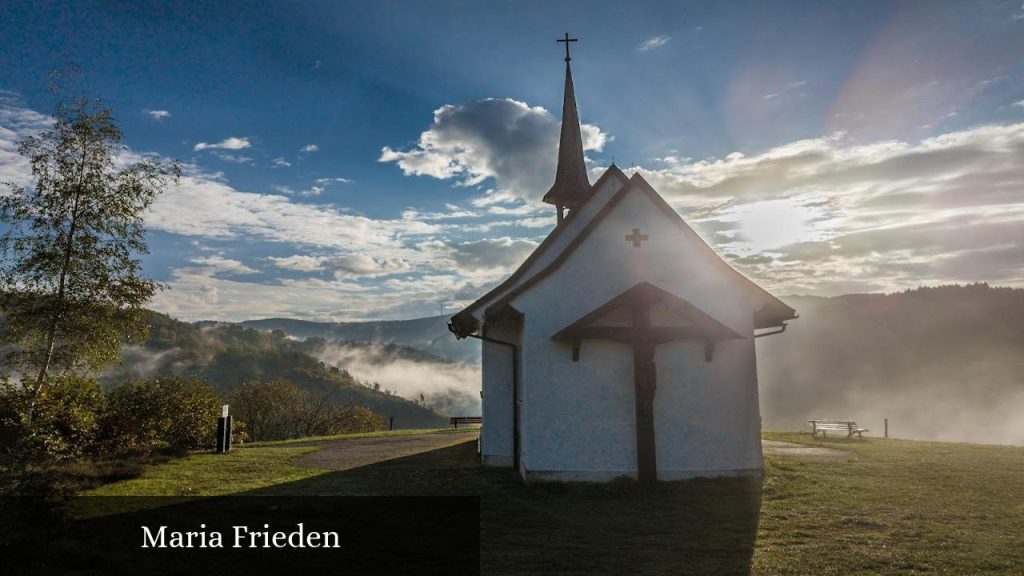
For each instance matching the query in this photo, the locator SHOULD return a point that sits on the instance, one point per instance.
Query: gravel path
(357, 452)
(774, 448)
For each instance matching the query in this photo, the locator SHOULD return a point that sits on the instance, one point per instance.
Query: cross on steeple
(636, 237)
(567, 40)
(572, 186)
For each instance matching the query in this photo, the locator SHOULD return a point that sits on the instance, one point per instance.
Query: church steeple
(571, 185)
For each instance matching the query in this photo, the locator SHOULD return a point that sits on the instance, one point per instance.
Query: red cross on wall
(636, 237)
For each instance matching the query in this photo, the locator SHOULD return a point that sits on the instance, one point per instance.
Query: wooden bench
(825, 426)
(456, 420)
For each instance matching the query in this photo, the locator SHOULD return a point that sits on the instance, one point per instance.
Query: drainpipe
(515, 395)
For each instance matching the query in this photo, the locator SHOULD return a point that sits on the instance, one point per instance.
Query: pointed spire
(571, 185)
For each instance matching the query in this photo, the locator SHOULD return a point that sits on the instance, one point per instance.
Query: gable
(565, 240)
(611, 182)
(672, 315)
(679, 247)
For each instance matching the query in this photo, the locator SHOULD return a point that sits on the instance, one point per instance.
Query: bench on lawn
(848, 428)
(456, 420)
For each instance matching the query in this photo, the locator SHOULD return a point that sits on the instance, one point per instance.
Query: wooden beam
(644, 383)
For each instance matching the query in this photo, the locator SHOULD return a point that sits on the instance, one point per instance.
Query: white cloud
(310, 148)
(366, 265)
(219, 264)
(233, 158)
(17, 122)
(299, 263)
(320, 186)
(344, 265)
(453, 213)
(501, 253)
(281, 162)
(336, 180)
(1019, 104)
(353, 249)
(653, 43)
(812, 215)
(820, 215)
(203, 205)
(232, 143)
(504, 139)
(157, 114)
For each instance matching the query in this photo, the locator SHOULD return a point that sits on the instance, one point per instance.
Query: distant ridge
(228, 354)
(429, 334)
(942, 363)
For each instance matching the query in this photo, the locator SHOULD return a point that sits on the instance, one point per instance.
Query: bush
(14, 428)
(352, 419)
(279, 409)
(65, 419)
(172, 412)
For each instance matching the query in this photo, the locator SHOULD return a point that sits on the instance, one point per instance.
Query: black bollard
(222, 424)
(223, 434)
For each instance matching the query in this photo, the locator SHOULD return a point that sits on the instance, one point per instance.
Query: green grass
(407, 432)
(896, 507)
(246, 467)
(899, 507)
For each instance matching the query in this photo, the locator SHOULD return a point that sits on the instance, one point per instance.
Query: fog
(941, 364)
(451, 389)
(142, 363)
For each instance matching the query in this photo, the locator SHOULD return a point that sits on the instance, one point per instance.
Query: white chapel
(623, 345)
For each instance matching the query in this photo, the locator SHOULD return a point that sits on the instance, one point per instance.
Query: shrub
(280, 409)
(171, 412)
(352, 419)
(65, 420)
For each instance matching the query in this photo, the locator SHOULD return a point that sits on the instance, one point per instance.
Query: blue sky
(372, 159)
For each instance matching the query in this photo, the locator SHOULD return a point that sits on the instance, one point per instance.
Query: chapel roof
(695, 322)
(572, 186)
(565, 238)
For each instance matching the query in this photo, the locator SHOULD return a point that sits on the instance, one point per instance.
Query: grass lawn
(895, 507)
(246, 467)
(899, 507)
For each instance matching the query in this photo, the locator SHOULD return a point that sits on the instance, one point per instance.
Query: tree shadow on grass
(700, 526)
(703, 526)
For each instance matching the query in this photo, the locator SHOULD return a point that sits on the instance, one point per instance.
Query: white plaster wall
(577, 416)
(580, 416)
(497, 430)
(706, 414)
(579, 220)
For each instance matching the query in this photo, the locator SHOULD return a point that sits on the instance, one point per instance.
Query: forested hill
(941, 363)
(228, 354)
(429, 334)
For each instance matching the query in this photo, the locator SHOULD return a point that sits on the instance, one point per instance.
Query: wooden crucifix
(689, 323)
(645, 381)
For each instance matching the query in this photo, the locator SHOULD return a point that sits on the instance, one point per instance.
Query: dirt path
(357, 452)
(774, 448)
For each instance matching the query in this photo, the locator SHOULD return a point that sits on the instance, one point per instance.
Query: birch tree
(70, 275)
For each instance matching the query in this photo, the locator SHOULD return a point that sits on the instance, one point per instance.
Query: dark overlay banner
(241, 535)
